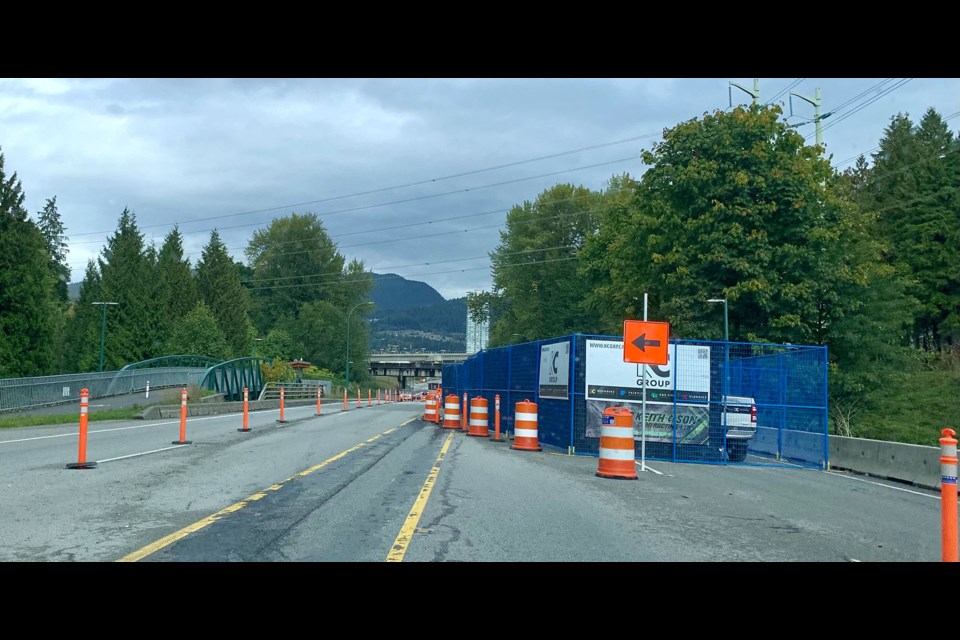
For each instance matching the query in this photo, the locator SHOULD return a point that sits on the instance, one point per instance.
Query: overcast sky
(383, 162)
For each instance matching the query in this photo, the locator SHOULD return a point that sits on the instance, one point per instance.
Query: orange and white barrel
(525, 427)
(451, 412)
(479, 420)
(430, 409)
(617, 453)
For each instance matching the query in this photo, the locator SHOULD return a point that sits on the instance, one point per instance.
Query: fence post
(183, 418)
(82, 453)
(948, 494)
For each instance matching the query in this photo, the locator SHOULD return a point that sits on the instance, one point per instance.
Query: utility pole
(347, 375)
(755, 94)
(103, 327)
(815, 101)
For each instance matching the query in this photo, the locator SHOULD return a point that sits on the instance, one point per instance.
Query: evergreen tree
(218, 285)
(81, 350)
(125, 279)
(176, 290)
(50, 224)
(27, 305)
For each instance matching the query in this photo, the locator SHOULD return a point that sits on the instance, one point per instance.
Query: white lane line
(880, 484)
(73, 434)
(649, 468)
(142, 453)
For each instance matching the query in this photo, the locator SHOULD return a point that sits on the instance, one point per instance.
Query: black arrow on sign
(642, 343)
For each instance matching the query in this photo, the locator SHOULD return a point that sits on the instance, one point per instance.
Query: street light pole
(347, 375)
(726, 368)
(103, 327)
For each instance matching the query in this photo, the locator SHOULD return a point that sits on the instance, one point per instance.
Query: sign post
(645, 343)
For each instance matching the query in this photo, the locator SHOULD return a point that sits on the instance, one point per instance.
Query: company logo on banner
(611, 382)
(554, 370)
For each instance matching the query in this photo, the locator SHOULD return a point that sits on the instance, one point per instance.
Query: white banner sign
(554, 370)
(608, 377)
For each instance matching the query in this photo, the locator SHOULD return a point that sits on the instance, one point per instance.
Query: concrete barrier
(913, 463)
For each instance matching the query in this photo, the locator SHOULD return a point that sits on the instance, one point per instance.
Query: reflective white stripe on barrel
(451, 406)
(478, 422)
(525, 433)
(525, 417)
(477, 409)
(609, 431)
(617, 454)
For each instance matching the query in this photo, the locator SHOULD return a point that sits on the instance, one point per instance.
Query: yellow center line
(400, 545)
(165, 541)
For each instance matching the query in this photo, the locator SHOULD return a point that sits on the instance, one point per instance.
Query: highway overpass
(412, 365)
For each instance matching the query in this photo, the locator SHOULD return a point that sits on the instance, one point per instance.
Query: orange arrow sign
(645, 342)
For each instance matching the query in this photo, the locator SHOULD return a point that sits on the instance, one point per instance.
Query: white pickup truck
(740, 414)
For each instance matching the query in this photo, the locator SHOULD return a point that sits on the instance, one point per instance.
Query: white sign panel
(554, 370)
(608, 377)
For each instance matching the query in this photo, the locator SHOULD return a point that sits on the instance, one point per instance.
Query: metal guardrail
(291, 391)
(39, 391)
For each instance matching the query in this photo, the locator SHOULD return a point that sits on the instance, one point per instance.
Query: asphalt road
(376, 483)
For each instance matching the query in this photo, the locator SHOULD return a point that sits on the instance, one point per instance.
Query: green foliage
(914, 187)
(82, 350)
(124, 271)
(277, 344)
(279, 370)
(295, 262)
(318, 373)
(176, 293)
(536, 291)
(218, 283)
(198, 333)
(29, 312)
(52, 228)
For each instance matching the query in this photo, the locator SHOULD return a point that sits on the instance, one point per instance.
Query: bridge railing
(38, 391)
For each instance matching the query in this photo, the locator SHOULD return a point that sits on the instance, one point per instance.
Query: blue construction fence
(714, 401)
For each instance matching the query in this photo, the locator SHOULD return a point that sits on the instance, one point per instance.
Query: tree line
(290, 300)
(735, 205)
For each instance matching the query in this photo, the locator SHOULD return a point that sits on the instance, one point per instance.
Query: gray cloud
(199, 152)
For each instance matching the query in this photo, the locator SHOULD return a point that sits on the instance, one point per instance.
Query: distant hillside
(391, 291)
(408, 315)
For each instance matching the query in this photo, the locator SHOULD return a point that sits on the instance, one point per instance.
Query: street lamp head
(717, 300)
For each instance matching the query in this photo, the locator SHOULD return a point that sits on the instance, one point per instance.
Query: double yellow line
(397, 551)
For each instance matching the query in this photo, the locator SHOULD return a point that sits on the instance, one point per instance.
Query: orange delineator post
(479, 422)
(378, 396)
(948, 494)
(318, 400)
(617, 453)
(496, 419)
(451, 412)
(525, 427)
(281, 406)
(359, 406)
(183, 419)
(463, 413)
(82, 453)
(246, 410)
(369, 397)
